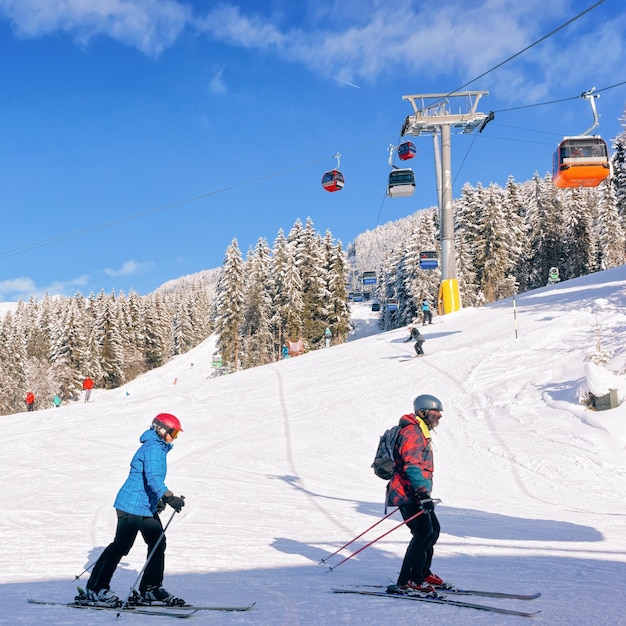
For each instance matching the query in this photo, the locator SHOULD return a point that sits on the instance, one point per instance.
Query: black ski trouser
(418, 347)
(128, 526)
(419, 553)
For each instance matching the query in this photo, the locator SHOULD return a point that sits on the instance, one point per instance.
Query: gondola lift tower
(436, 118)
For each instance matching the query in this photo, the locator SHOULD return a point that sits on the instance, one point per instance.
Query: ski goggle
(173, 433)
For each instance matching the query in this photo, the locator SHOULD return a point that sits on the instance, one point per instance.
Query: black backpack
(384, 462)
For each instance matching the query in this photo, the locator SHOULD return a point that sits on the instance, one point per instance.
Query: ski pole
(367, 545)
(143, 569)
(85, 570)
(357, 537)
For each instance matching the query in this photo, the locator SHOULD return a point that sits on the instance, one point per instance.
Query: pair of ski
(443, 598)
(186, 610)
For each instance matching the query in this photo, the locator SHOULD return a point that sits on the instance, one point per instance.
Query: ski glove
(160, 506)
(176, 502)
(426, 504)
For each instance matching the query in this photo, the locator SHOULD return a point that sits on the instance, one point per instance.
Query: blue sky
(139, 137)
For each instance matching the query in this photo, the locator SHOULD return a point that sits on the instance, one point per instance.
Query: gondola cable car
(369, 278)
(582, 160)
(406, 150)
(401, 182)
(392, 304)
(333, 180)
(428, 260)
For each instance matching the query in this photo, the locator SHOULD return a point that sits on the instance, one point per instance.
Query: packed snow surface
(274, 463)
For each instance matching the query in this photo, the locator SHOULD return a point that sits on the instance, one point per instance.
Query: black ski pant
(128, 526)
(418, 347)
(419, 554)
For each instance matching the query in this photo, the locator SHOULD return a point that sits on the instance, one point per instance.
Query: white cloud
(128, 268)
(364, 41)
(227, 23)
(354, 41)
(148, 25)
(16, 285)
(216, 84)
(23, 288)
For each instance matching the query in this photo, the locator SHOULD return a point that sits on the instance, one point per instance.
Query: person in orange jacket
(87, 386)
(30, 401)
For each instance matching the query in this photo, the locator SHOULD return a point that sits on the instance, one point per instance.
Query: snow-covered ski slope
(274, 463)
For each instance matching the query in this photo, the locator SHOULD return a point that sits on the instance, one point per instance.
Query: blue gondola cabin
(428, 260)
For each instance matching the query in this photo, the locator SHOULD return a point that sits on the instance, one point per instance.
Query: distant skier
(418, 338)
(426, 312)
(88, 386)
(30, 401)
(327, 336)
(553, 276)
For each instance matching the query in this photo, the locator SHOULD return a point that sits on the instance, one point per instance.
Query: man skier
(410, 489)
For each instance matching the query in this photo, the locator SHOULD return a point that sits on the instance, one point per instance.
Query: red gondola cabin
(406, 150)
(333, 180)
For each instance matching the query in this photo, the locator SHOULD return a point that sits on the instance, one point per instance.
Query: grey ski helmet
(426, 402)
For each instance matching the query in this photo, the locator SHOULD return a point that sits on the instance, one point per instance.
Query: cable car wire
(540, 104)
(532, 45)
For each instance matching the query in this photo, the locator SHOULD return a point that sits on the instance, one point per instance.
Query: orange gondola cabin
(333, 180)
(580, 162)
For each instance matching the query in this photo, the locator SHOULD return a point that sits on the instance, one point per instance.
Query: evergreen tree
(67, 351)
(545, 216)
(578, 246)
(466, 214)
(310, 259)
(230, 302)
(294, 305)
(618, 161)
(258, 340)
(336, 272)
(13, 372)
(611, 234)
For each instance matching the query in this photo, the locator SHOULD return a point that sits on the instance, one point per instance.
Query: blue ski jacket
(146, 481)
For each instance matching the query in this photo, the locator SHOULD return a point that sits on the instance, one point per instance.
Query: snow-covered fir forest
(506, 241)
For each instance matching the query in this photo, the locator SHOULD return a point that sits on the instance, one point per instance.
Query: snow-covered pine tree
(579, 249)
(619, 170)
(230, 300)
(310, 259)
(257, 336)
(278, 291)
(336, 273)
(611, 235)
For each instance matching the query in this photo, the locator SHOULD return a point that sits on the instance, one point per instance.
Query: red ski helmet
(168, 423)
